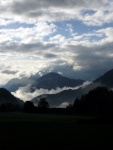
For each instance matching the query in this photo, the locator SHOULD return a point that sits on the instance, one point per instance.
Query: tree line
(97, 101)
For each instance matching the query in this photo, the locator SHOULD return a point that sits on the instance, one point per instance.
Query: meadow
(54, 132)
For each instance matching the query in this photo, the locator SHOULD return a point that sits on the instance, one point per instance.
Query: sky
(71, 37)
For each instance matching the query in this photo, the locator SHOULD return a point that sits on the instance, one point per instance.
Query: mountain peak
(53, 80)
(9, 100)
(51, 75)
(106, 79)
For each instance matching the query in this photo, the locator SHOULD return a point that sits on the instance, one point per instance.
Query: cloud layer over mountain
(25, 93)
(71, 37)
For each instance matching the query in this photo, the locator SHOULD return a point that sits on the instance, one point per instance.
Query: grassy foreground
(20, 131)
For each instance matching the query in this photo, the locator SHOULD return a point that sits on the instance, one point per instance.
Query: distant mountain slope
(49, 81)
(106, 79)
(70, 95)
(6, 98)
(67, 95)
(56, 100)
(13, 84)
(53, 80)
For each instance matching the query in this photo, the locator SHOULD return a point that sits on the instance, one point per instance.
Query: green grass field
(53, 132)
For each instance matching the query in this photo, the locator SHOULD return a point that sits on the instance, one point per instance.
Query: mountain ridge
(8, 100)
(106, 79)
(53, 80)
(65, 96)
(48, 81)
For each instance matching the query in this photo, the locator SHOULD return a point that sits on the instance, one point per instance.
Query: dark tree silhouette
(43, 103)
(43, 106)
(29, 107)
(97, 101)
(3, 108)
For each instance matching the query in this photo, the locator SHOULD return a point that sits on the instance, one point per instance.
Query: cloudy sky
(72, 37)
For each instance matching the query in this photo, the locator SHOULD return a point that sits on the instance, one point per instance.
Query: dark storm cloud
(9, 72)
(25, 48)
(95, 60)
(43, 7)
(48, 55)
(35, 47)
(25, 5)
(30, 5)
